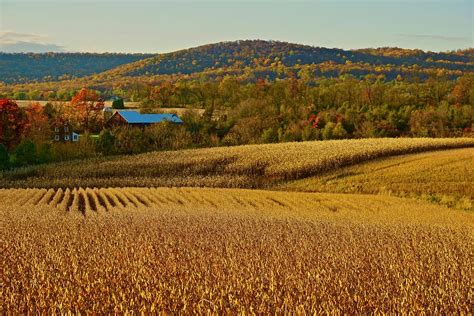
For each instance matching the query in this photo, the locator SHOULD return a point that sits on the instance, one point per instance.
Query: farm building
(63, 132)
(107, 112)
(134, 118)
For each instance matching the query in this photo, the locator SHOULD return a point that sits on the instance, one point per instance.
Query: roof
(134, 117)
(60, 122)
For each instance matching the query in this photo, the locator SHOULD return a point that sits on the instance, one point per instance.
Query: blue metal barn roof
(134, 117)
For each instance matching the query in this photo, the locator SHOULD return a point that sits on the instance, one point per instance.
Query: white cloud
(436, 37)
(13, 42)
(10, 37)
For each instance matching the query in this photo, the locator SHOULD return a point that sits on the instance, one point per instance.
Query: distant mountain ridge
(253, 53)
(264, 58)
(30, 67)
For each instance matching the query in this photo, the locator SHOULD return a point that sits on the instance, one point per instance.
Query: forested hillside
(257, 53)
(28, 67)
(250, 59)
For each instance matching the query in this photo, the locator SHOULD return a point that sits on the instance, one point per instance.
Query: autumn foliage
(13, 123)
(38, 126)
(87, 107)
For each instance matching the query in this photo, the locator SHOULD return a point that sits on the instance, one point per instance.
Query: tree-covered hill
(268, 59)
(28, 67)
(248, 61)
(258, 53)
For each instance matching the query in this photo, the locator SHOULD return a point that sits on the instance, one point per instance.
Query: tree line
(238, 112)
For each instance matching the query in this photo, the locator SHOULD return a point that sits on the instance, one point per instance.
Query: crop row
(445, 177)
(97, 200)
(250, 166)
(231, 251)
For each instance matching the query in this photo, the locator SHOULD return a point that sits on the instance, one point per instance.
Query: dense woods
(31, 67)
(257, 54)
(249, 60)
(296, 109)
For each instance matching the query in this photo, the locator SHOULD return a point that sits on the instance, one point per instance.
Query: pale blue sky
(164, 26)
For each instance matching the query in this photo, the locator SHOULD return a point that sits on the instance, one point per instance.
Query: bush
(45, 153)
(328, 130)
(133, 140)
(130, 140)
(339, 132)
(106, 143)
(84, 148)
(25, 153)
(270, 135)
(4, 158)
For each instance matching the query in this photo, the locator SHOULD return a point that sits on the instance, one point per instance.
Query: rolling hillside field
(197, 250)
(132, 106)
(249, 166)
(441, 176)
(158, 232)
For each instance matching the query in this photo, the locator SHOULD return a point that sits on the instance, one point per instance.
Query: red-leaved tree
(87, 110)
(13, 123)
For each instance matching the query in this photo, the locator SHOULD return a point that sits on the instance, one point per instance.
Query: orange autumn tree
(38, 127)
(463, 90)
(163, 93)
(87, 110)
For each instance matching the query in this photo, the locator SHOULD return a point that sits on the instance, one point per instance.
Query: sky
(146, 26)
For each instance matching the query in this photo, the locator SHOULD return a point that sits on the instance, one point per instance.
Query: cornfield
(445, 177)
(251, 166)
(98, 236)
(192, 250)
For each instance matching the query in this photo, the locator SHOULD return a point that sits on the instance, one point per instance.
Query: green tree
(45, 153)
(4, 158)
(339, 132)
(106, 142)
(118, 104)
(328, 131)
(20, 95)
(25, 153)
(270, 135)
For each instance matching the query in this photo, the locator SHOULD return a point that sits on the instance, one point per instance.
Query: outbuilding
(135, 118)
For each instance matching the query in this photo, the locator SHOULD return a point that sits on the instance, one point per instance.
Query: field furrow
(101, 250)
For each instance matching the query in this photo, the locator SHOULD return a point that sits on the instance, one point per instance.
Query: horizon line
(232, 41)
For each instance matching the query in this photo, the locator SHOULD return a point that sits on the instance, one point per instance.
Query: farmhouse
(134, 118)
(63, 132)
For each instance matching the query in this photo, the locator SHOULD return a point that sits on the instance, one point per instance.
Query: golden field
(250, 166)
(198, 250)
(102, 236)
(446, 177)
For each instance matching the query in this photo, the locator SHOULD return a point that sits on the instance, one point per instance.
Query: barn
(135, 118)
